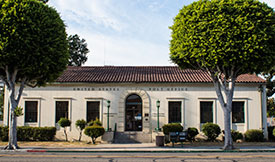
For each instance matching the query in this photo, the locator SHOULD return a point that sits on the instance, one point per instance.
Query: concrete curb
(149, 151)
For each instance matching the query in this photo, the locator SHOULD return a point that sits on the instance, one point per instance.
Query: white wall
(189, 94)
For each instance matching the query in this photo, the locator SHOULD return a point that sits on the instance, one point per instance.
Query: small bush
(254, 135)
(94, 132)
(271, 135)
(274, 132)
(171, 127)
(211, 130)
(191, 133)
(236, 135)
(4, 133)
(80, 124)
(95, 122)
(64, 122)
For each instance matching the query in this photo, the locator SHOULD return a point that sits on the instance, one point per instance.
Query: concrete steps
(133, 137)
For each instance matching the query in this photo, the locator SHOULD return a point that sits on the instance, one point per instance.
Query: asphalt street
(11, 156)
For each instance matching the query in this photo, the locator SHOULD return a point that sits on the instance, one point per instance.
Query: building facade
(186, 96)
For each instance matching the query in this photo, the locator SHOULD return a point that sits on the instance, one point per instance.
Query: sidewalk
(148, 147)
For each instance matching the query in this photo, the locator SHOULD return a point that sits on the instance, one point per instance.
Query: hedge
(254, 135)
(26, 133)
(172, 127)
(271, 137)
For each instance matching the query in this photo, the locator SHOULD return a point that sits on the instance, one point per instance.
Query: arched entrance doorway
(133, 113)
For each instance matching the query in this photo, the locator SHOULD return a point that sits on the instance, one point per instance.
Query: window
(92, 110)
(174, 111)
(61, 110)
(206, 111)
(31, 111)
(238, 112)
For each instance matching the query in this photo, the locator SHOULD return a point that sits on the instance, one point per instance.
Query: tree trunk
(66, 138)
(226, 104)
(228, 143)
(12, 145)
(93, 140)
(80, 135)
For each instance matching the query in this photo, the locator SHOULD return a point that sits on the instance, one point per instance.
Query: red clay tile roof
(142, 74)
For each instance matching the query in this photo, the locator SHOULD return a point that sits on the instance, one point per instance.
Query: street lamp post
(158, 105)
(108, 108)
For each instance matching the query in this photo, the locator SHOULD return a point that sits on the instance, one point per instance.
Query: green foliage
(1, 104)
(81, 124)
(32, 35)
(18, 111)
(94, 132)
(78, 50)
(211, 130)
(4, 132)
(270, 81)
(26, 133)
(236, 135)
(254, 135)
(270, 107)
(64, 122)
(270, 130)
(44, 1)
(191, 133)
(95, 122)
(221, 36)
(274, 132)
(172, 127)
(44, 133)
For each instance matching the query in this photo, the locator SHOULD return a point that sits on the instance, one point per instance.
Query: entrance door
(133, 113)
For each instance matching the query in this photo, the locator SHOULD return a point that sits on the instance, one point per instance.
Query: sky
(123, 32)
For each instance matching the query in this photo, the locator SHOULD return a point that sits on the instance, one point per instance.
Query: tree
(270, 107)
(270, 82)
(225, 38)
(81, 124)
(44, 1)
(64, 122)
(33, 50)
(78, 50)
(1, 103)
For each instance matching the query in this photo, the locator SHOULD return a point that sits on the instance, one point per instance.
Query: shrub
(44, 133)
(4, 133)
(26, 133)
(64, 122)
(271, 135)
(95, 122)
(236, 135)
(191, 133)
(211, 130)
(94, 132)
(81, 124)
(172, 127)
(254, 135)
(274, 132)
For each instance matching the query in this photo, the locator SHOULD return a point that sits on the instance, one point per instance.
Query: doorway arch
(133, 113)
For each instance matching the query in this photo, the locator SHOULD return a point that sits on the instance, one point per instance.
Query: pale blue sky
(123, 32)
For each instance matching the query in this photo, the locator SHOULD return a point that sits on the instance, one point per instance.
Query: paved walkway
(148, 147)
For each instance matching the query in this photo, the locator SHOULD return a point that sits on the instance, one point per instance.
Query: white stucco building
(186, 96)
